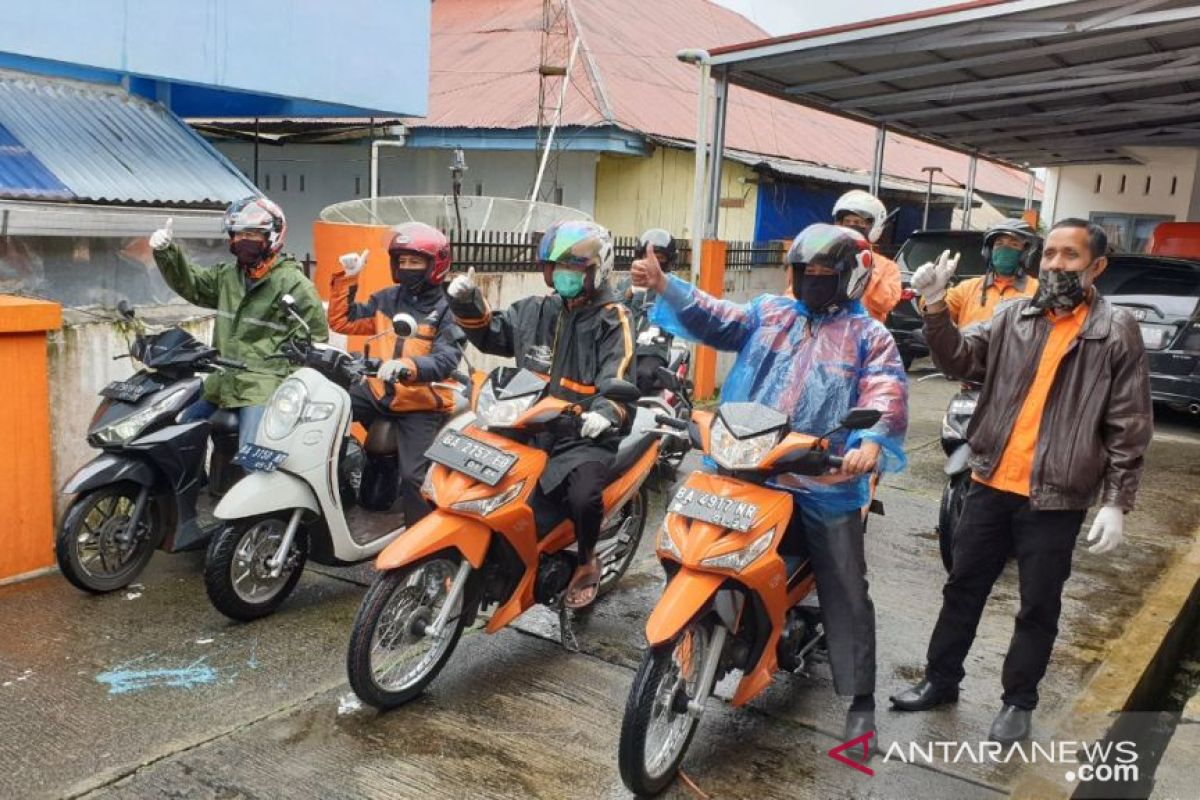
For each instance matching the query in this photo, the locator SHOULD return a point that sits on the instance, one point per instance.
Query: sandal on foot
(583, 588)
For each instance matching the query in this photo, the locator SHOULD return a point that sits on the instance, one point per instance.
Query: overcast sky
(780, 17)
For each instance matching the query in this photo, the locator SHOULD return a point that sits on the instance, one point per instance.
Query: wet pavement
(150, 692)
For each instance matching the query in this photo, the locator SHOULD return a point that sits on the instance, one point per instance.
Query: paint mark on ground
(123, 680)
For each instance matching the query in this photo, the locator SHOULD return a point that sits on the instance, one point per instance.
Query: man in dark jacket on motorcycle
(1063, 420)
(590, 338)
(250, 324)
(404, 390)
(653, 343)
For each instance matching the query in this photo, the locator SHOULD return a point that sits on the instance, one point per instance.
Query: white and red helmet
(423, 240)
(257, 213)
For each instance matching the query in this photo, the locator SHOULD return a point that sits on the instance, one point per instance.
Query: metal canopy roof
(1037, 82)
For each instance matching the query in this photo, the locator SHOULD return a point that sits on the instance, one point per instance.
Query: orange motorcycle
(735, 581)
(494, 539)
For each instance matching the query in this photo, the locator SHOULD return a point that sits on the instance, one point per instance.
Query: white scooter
(291, 506)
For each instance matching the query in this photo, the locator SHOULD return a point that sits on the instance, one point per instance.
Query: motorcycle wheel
(95, 549)
(391, 658)
(618, 544)
(236, 575)
(657, 728)
(949, 513)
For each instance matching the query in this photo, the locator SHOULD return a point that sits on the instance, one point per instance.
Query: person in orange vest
(1009, 249)
(865, 213)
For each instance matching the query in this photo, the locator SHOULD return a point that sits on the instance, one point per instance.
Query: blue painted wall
(231, 57)
(784, 209)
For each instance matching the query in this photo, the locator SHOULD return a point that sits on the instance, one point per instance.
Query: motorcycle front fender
(438, 531)
(266, 492)
(686, 594)
(107, 469)
(957, 462)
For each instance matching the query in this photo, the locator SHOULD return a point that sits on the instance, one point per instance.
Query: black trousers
(647, 372)
(583, 492)
(994, 523)
(416, 431)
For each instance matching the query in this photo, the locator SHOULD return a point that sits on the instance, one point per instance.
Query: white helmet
(866, 205)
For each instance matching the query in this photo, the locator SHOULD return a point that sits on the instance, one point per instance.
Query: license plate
(713, 509)
(471, 457)
(126, 391)
(253, 458)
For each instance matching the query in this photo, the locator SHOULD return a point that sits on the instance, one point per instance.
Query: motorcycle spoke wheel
(618, 544)
(250, 573)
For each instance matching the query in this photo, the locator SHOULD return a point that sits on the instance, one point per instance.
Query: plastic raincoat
(814, 368)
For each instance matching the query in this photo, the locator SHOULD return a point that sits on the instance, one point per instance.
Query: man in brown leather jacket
(1063, 420)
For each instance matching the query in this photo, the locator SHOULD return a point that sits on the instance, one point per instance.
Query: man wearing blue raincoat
(814, 355)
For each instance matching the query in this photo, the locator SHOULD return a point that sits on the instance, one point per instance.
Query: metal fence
(511, 251)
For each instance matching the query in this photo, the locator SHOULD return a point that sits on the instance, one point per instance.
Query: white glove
(1109, 528)
(390, 371)
(353, 263)
(463, 286)
(594, 424)
(931, 280)
(649, 335)
(161, 239)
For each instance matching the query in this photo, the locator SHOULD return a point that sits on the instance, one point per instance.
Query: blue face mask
(568, 283)
(1006, 261)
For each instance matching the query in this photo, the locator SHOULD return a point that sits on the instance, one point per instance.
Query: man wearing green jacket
(250, 324)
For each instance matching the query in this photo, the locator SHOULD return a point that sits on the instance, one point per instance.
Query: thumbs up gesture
(645, 273)
(161, 239)
(931, 280)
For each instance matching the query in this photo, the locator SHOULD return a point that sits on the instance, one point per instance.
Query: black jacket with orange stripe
(592, 342)
(435, 349)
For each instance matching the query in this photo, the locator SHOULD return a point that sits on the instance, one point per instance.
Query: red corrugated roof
(484, 74)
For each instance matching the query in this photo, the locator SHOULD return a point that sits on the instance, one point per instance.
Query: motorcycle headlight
(286, 408)
(734, 453)
(666, 544)
(738, 560)
(128, 428)
(486, 505)
(493, 413)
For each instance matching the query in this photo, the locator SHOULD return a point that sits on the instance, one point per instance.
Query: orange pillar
(712, 281)
(1031, 216)
(26, 491)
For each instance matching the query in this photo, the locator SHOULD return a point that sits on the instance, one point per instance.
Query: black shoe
(924, 696)
(1012, 724)
(859, 723)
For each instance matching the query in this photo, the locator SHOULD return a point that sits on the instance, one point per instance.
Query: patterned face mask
(1060, 289)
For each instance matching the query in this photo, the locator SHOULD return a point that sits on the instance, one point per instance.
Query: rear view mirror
(857, 419)
(404, 325)
(124, 309)
(620, 391)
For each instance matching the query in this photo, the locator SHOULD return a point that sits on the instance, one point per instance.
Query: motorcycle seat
(639, 440)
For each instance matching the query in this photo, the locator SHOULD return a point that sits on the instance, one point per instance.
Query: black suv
(1164, 295)
(923, 246)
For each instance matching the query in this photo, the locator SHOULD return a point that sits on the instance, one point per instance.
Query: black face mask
(818, 291)
(249, 252)
(411, 279)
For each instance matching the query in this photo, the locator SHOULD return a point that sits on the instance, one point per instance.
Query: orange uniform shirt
(1015, 469)
(964, 302)
(883, 288)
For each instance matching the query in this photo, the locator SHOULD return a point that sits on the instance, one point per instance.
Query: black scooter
(958, 471)
(141, 492)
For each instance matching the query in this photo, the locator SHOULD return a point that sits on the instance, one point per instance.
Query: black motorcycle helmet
(664, 247)
(1018, 228)
(842, 249)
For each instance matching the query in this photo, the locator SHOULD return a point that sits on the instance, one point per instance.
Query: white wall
(1072, 191)
(331, 173)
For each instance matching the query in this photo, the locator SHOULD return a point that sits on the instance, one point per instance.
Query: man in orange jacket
(865, 213)
(1009, 248)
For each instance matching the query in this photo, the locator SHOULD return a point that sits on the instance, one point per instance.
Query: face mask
(249, 252)
(818, 291)
(1006, 261)
(1060, 289)
(568, 283)
(410, 279)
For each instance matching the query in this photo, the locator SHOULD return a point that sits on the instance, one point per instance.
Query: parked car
(1164, 295)
(905, 321)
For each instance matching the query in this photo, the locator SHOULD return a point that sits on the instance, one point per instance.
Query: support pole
(720, 112)
(256, 151)
(969, 197)
(877, 167)
(699, 57)
(1029, 190)
(928, 195)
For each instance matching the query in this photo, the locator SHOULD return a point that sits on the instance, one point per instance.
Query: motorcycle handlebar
(834, 461)
(228, 362)
(671, 422)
